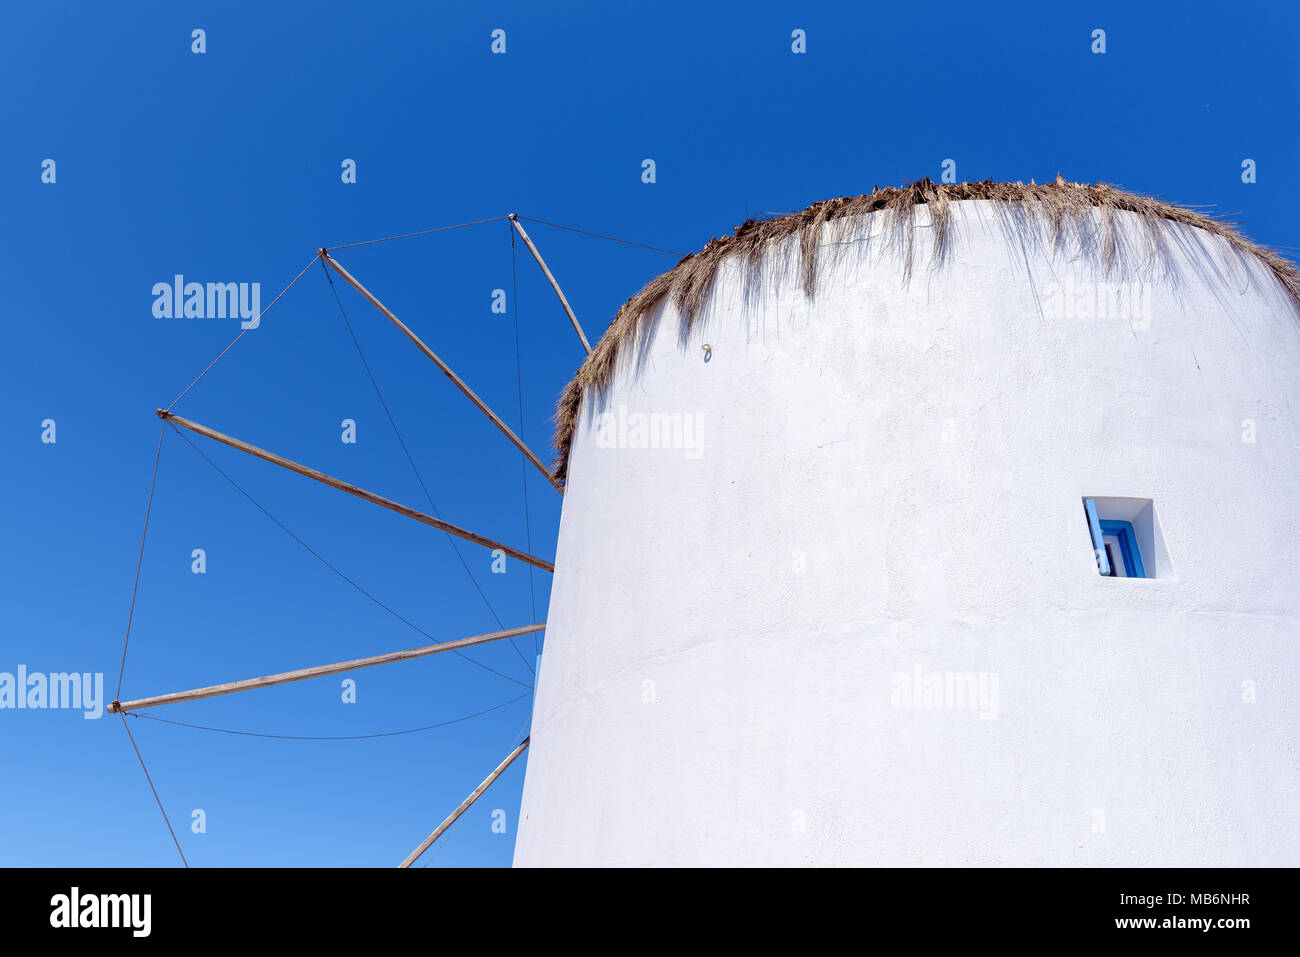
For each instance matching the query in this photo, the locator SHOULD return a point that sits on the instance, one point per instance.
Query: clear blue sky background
(226, 167)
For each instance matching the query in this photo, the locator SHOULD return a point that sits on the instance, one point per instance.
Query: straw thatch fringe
(1058, 214)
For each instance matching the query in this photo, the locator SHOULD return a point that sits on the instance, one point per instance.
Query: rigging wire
(335, 570)
(523, 469)
(411, 461)
(422, 232)
(253, 325)
(480, 222)
(130, 616)
(626, 242)
(147, 777)
(344, 737)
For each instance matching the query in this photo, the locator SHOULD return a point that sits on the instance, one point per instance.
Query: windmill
(919, 526)
(916, 527)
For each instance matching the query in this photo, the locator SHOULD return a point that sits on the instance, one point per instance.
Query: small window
(1126, 538)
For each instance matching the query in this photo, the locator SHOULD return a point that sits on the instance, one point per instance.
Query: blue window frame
(1115, 544)
(1120, 535)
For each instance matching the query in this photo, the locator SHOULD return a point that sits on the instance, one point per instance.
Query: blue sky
(225, 166)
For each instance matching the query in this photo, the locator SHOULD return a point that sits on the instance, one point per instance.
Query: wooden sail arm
(464, 805)
(354, 490)
(446, 370)
(523, 234)
(302, 674)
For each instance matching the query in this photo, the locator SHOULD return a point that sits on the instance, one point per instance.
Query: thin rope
(140, 758)
(345, 737)
(445, 839)
(411, 461)
(335, 570)
(523, 467)
(130, 616)
(241, 334)
(626, 242)
(455, 827)
(422, 232)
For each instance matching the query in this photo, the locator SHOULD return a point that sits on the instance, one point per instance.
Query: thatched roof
(1056, 213)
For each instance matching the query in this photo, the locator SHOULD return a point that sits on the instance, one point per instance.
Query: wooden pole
(514, 221)
(353, 490)
(303, 673)
(446, 370)
(464, 805)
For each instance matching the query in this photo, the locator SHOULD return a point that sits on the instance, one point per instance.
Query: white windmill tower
(838, 492)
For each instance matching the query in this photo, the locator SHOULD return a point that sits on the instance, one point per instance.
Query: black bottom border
(927, 906)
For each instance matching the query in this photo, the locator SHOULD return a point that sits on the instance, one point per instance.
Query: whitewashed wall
(890, 481)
